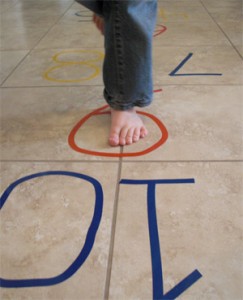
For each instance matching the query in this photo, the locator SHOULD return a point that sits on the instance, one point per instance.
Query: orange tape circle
(99, 111)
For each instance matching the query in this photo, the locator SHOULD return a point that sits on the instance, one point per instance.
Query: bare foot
(99, 22)
(126, 127)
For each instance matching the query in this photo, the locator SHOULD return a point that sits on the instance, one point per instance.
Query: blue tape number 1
(158, 291)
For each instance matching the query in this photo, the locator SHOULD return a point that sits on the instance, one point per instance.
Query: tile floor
(55, 244)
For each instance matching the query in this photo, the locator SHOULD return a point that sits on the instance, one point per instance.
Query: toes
(129, 136)
(123, 136)
(114, 138)
(136, 135)
(143, 132)
(126, 128)
(132, 135)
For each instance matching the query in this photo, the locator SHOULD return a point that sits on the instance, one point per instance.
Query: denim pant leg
(127, 70)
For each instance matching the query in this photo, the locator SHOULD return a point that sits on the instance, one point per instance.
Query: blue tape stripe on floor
(89, 241)
(174, 72)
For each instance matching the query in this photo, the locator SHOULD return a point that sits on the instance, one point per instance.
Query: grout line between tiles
(57, 161)
(91, 86)
(33, 48)
(51, 86)
(124, 161)
(18, 64)
(221, 29)
(50, 28)
(183, 161)
(48, 86)
(113, 230)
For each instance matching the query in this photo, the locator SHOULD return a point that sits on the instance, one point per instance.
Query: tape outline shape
(89, 240)
(67, 63)
(96, 71)
(99, 111)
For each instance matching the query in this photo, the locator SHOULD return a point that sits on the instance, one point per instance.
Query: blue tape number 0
(90, 237)
(158, 291)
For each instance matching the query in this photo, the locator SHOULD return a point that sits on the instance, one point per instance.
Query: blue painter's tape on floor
(90, 237)
(174, 72)
(157, 273)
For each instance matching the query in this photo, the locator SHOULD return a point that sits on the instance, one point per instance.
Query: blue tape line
(89, 241)
(157, 273)
(157, 181)
(182, 286)
(174, 72)
(154, 243)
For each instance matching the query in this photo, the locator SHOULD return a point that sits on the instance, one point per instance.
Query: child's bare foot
(99, 22)
(126, 127)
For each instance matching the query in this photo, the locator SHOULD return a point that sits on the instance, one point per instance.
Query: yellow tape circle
(100, 56)
(95, 68)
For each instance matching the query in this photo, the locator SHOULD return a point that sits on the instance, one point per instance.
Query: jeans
(127, 68)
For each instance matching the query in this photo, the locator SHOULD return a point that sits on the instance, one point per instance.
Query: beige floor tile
(28, 21)
(198, 126)
(224, 3)
(36, 124)
(71, 67)
(6, 5)
(179, 3)
(199, 228)
(77, 14)
(44, 223)
(33, 13)
(239, 48)
(230, 21)
(179, 12)
(24, 19)
(233, 30)
(52, 7)
(74, 35)
(20, 38)
(186, 33)
(229, 13)
(59, 67)
(220, 60)
(10, 60)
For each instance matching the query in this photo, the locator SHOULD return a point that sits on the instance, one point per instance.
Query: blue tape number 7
(158, 290)
(185, 60)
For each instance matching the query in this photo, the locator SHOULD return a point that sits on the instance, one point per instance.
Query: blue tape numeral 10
(157, 274)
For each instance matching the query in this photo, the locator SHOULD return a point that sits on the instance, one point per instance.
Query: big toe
(114, 138)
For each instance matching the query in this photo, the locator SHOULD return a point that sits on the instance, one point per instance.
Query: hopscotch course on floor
(160, 219)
